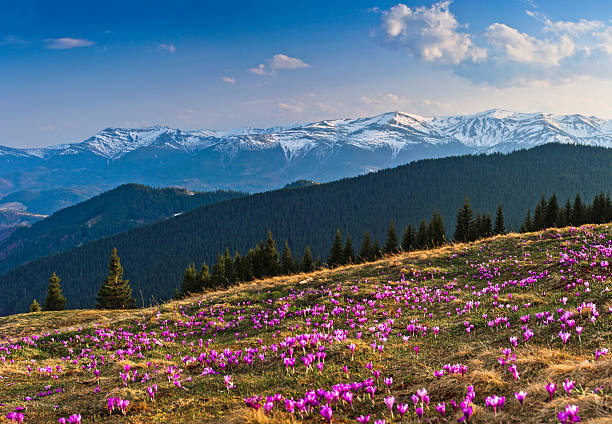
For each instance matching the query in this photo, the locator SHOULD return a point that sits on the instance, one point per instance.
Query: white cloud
(278, 62)
(516, 46)
(229, 80)
(431, 34)
(66, 43)
(168, 47)
(504, 56)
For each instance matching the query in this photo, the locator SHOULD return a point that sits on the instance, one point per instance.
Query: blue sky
(69, 69)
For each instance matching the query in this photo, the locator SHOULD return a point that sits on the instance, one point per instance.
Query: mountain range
(253, 160)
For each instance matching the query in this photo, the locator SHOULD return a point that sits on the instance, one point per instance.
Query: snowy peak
(491, 130)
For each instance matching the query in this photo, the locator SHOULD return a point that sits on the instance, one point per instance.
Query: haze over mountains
(253, 159)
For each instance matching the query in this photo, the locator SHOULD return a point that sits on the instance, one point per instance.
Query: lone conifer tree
(392, 240)
(349, 251)
(307, 261)
(499, 221)
(190, 281)
(336, 253)
(228, 264)
(270, 257)
(408, 239)
(421, 238)
(217, 276)
(203, 279)
(376, 252)
(287, 262)
(527, 225)
(366, 248)
(577, 217)
(552, 211)
(55, 300)
(116, 292)
(436, 230)
(464, 222)
(34, 307)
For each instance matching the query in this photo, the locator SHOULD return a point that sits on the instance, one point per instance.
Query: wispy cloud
(167, 47)
(10, 40)
(66, 43)
(278, 62)
(292, 108)
(229, 80)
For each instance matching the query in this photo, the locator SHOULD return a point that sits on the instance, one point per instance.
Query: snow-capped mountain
(259, 159)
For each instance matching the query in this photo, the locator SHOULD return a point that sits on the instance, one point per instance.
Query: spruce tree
(240, 268)
(476, 228)
(422, 238)
(552, 211)
(486, 227)
(287, 262)
(116, 292)
(258, 261)
(527, 224)
(246, 266)
(271, 255)
(464, 225)
(35, 307)
(376, 252)
(499, 221)
(349, 251)
(392, 240)
(366, 248)
(408, 238)
(539, 215)
(567, 212)
(577, 217)
(228, 265)
(55, 300)
(203, 278)
(336, 253)
(436, 230)
(217, 277)
(190, 281)
(307, 264)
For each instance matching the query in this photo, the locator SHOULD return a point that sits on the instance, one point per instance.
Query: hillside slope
(118, 210)
(443, 334)
(155, 256)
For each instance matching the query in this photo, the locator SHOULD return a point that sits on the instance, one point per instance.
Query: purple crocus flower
(568, 386)
(441, 408)
(570, 415)
(326, 412)
(363, 419)
(550, 388)
(402, 408)
(520, 396)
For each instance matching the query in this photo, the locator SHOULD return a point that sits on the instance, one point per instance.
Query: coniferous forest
(422, 199)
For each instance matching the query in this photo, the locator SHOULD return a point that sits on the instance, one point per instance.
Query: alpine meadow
(350, 212)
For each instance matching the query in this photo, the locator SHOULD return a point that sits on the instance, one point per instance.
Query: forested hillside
(155, 256)
(126, 207)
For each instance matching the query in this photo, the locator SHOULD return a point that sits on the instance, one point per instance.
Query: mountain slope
(261, 159)
(112, 212)
(155, 256)
(465, 324)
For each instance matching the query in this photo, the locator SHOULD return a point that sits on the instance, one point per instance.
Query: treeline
(547, 213)
(264, 260)
(155, 256)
